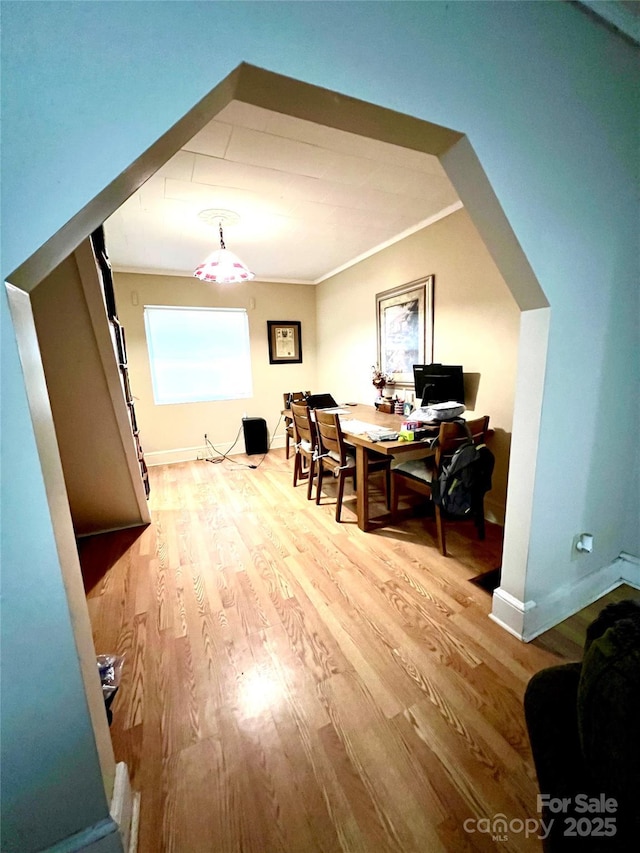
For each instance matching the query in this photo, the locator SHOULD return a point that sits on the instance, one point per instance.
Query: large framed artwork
(404, 319)
(285, 341)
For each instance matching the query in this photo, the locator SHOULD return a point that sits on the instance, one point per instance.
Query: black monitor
(438, 383)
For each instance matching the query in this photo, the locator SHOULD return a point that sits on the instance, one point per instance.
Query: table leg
(362, 490)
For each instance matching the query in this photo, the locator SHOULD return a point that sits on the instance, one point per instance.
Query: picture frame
(285, 341)
(404, 324)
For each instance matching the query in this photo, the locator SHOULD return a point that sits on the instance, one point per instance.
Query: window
(198, 354)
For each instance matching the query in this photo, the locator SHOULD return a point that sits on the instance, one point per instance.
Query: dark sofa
(583, 721)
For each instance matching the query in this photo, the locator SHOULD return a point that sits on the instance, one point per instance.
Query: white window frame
(202, 371)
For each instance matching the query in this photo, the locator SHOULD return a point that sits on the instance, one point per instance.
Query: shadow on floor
(100, 552)
(489, 581)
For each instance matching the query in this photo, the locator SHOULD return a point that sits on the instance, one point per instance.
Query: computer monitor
(438, 383)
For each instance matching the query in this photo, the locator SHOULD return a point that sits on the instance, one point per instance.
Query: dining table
(364, 445)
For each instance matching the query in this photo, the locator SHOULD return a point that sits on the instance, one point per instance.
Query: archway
(269, 90)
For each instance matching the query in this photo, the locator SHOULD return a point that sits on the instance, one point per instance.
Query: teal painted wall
(549, 100)
(51, 782)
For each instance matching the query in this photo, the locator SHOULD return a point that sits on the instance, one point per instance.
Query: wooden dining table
(362, 444)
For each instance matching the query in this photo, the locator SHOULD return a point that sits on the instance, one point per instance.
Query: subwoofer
(255, 435)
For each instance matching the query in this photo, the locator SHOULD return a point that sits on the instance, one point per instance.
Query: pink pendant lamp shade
(223, 267)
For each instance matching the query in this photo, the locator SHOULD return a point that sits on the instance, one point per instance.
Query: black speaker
(255, 435)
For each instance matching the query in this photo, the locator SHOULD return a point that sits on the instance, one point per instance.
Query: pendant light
(222, 266)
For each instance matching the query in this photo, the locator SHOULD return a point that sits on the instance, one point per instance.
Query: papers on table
(374, 432)
(357, 427)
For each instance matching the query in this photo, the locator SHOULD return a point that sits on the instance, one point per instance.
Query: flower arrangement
(379, 378)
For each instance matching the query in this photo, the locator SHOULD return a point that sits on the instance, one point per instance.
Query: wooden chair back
(294, 397)
(453, 434)
(291, 397)
(330, 437)
(334, 456)
(302, 424)
(305, 439)
(450, 437)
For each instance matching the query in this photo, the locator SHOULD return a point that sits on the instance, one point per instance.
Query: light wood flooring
(293, 684)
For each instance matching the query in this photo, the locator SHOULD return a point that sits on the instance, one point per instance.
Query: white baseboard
(528, 619)
(135, 824)
(510, 612)
(177, 454)
(191, 454)
(122, 804)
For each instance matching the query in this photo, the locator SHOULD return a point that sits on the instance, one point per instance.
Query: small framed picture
(285, 341)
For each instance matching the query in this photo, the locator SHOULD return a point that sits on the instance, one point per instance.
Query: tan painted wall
(89, 411)
(172, 433)
(476, 324)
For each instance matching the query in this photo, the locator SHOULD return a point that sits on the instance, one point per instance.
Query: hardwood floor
(293, 684)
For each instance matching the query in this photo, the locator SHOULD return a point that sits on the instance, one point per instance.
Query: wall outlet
(574, 551)
(581, 544)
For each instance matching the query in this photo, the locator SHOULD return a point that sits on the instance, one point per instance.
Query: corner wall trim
(122, 804)
(527, 620)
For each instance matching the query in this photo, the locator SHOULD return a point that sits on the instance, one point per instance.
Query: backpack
(463, 480)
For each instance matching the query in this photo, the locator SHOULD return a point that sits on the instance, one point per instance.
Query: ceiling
(311, 200)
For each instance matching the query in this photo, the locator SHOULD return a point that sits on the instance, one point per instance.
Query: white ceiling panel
(212, 140)
(350, 170)
(232, 198)
(239, 114)
(310, 199)
(350, 143)
(180, 167)
(219, 172)
(275, 152)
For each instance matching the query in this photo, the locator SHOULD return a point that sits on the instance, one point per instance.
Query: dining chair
(291, 397)
(417, 475)
(336, 456)
(305, 443)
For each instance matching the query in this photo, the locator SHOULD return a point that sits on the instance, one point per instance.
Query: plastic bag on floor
(110, 669)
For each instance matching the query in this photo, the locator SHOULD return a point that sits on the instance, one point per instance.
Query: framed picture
(404, 319)
(285, 341)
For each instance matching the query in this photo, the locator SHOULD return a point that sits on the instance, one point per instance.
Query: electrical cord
(222, 456)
